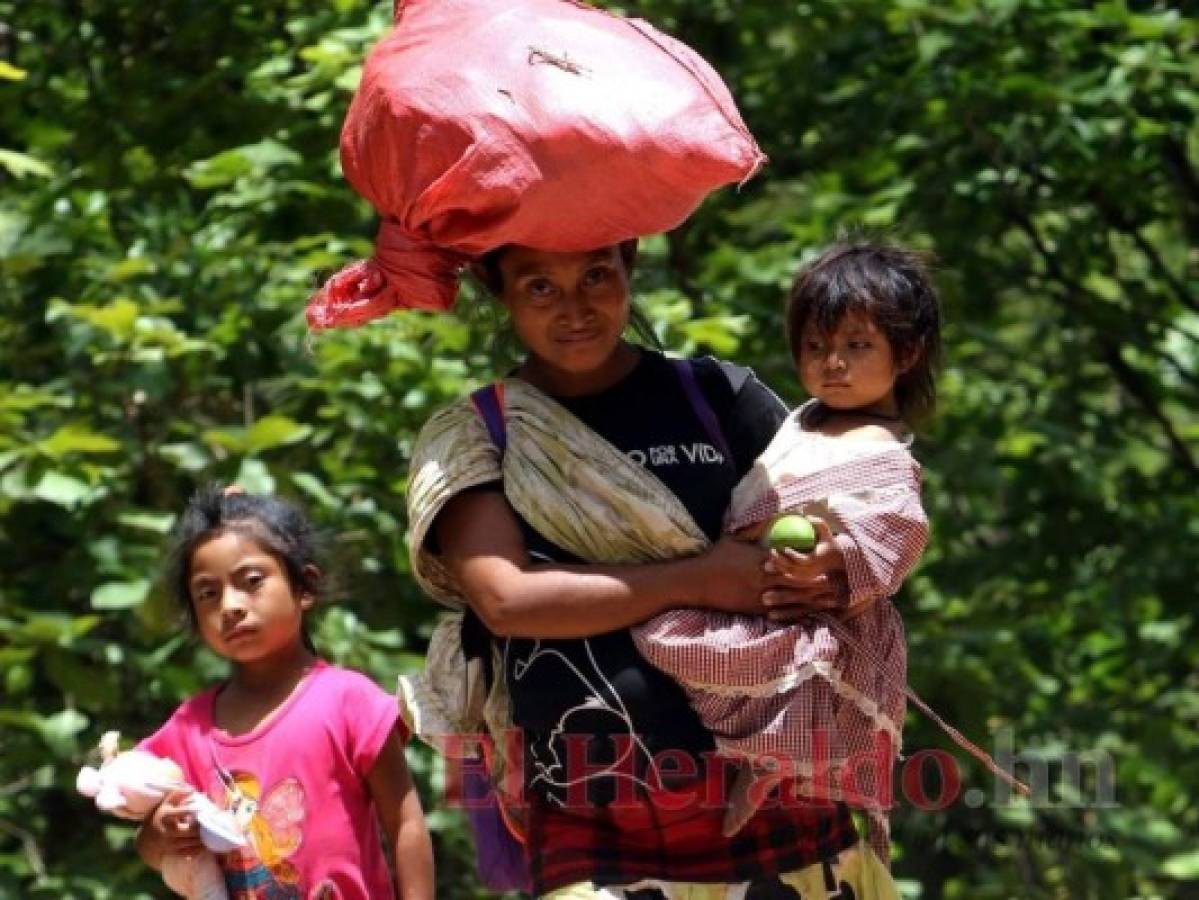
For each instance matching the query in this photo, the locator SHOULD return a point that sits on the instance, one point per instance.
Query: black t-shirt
(622, 711)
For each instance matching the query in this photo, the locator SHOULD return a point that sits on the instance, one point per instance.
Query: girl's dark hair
(892, 286)
(487, 270)
(279, 527)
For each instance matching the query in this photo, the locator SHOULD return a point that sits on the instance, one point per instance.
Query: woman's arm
(399, 809)
(482, 545)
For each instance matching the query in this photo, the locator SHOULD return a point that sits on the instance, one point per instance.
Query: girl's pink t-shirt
(297, 787)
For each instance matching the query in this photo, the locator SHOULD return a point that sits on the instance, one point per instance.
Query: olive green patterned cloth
(571, 486)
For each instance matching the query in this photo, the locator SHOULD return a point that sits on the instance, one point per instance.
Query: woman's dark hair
(487, 270)
(279, 527)
(892, 286)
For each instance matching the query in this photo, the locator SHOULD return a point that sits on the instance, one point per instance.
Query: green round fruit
(794, 532)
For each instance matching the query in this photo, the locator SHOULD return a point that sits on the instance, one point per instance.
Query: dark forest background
(170, 194)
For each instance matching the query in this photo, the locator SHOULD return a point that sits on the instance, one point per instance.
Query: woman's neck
(564, 383)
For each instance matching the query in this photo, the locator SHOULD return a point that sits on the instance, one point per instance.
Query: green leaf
(227, 167)
(56, 628)
(20, 165)
(89, 683)
(233, 440)
(255, 477)
(9, 72)
(77, 438)
(117, 318)
(60, 730)
(275, 431)
(188, 456)
(721, 334)
(315, 488)
(18, 679)
(157, 523)
(63, 490)
(1183, 866)
(130, 267)
(120, 594)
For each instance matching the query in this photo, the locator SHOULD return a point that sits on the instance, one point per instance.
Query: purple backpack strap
(489, 404)
(500, 856)
(700, 406)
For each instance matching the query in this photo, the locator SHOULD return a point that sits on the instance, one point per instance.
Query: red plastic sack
(547, 123)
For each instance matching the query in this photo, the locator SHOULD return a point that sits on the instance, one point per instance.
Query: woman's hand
(170, 829)
(803, 583)
(731, 576)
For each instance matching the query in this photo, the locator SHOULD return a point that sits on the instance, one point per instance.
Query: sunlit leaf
(120, 594)
(77, 438)
(254, 476)
(275, 431)
(55, 487)
(21, 165)
(60, 730)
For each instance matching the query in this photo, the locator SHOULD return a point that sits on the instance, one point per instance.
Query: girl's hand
(803, 583)
(170, 829)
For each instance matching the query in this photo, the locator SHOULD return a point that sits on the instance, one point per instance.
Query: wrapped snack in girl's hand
(132, 784)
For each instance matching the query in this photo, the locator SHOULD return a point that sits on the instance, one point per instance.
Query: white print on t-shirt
(676, 454)
(600, 696)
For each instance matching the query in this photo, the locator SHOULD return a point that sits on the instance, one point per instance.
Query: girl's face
(245, 608)
(853, 368)
(569, 311)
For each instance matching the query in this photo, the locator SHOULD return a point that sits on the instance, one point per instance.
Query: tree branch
(1179, 165)
(1121, 223)
(32, 853)
(1135, 385)
(1128, 378)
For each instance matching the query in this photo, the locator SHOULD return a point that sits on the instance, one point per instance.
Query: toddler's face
(853, 368)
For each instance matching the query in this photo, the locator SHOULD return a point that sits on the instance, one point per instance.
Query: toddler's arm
(881, 542)
(883, 530)
(399, 807)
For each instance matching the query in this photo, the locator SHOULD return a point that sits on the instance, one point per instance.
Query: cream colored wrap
(573, 487)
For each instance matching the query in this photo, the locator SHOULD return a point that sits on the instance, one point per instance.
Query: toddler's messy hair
(892, 286)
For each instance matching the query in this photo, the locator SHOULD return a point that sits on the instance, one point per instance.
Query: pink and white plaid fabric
(820, 697)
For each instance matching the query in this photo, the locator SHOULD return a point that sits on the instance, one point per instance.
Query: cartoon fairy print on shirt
(273, 825)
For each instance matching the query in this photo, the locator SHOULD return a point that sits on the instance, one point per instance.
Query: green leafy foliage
(169, 195)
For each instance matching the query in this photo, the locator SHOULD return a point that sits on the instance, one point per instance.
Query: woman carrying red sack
(595, 505)
(585, 493)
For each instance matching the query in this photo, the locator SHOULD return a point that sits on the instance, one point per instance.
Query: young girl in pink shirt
(308, 757)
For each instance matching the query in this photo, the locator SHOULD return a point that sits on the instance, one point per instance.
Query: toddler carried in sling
(820, 701)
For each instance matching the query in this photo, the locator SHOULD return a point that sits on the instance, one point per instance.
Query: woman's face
(569, 310)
